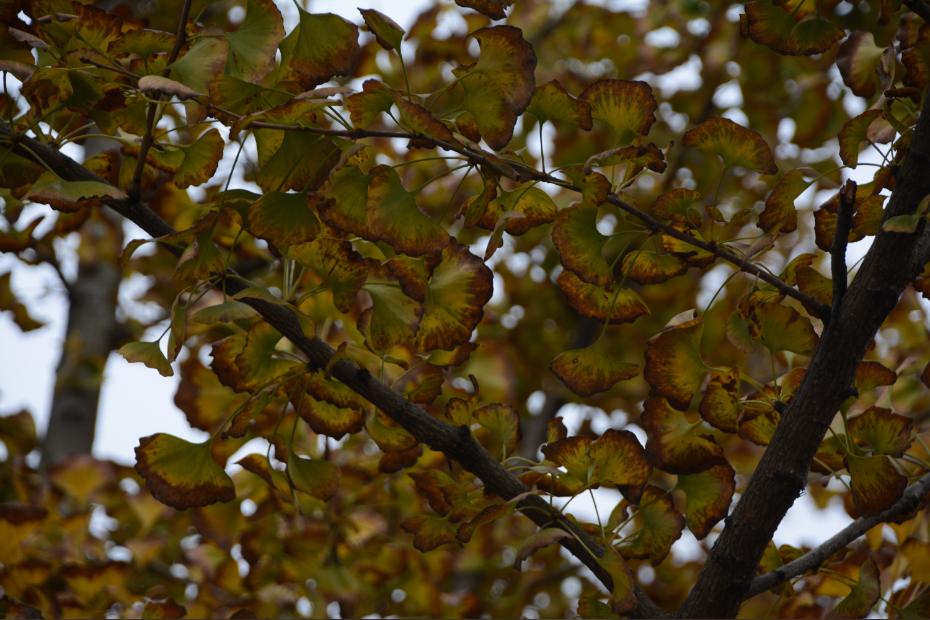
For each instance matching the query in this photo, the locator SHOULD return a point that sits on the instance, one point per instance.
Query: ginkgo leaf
(72, 191)
(622, 598)
(303, 161)
(182, 474)
(917, 62)
(459, 288)
(758, 425)
(394, 317)
(858, 60)
(341, 269)
(200, 259)
(166, 608)
(647, 267)
(782, 328)
(621, 460)
(864, 594)
(455, 357)
(534, 205)
(196, 69)
(623, 305)
(580, 244)
(540, 540)
(389, 438)
(430, 532)
(429, 388)
(200, 160)
(253, 45)
(340, 412)
(552, 102)
(143, 42)
(283, 219)
(810, 282)
(885, 431)
(853, 133)
(674, 444)
(719, 405)
(648, 156)
(870, 375)
(395, 218)
(149, 353)
(317, 477)
(595, 187)
(674, 368)
(487, 105)
(503, 421)
(491, 8)
(385, 29)
(622, 105)
(497, 235)
(256, 363)
(676, 206)
(770, 25)
(326, 47)
(591, 370)
(876, 484)
(165, 86)
(508, 61)
(377, 97)
(736, 145)
(659, 525)
(459, 411)
(779, 206)
(466, 125)
(708, 495)
(572, 453)
(345, 202)
(222, 313)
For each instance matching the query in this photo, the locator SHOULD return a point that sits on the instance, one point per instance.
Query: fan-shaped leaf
(708, 494)
(622, 105)
(674, 445)
(591, 371)
(182, 474)
(736, 145)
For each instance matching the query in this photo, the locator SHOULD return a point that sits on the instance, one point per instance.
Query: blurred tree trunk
(92, 333)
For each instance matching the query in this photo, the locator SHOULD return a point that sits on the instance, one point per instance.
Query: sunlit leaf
(182, 474)
(252, 46)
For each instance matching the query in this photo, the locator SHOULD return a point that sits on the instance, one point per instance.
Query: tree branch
(892, 263)
(437, 434)
(814, 558)
(919, 7)
(840, 241)
(148, 138)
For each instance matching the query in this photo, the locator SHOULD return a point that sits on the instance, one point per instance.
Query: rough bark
(892, 263)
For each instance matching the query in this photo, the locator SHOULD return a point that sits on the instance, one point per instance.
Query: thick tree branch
(919, 7)
(893, 261)
(814, 558)
(840, 241)
(437, 434)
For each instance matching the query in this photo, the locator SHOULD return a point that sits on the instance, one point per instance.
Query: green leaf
(623, 305)
(393, 317)
(253, 45)
(771, 25)
(385, 29)
(646, 267)
(674, 444)
(256, 363)
(676, 206)
(283, 219)
(223, 313)
(487, 105)
(708, 496)
(864, 594)
(540, 540)
(736, 145)
(534, 205)
(508, 61)
(200, 160)
(853, 133)
(395, 218)
(782, 328)
(303, 161)
(620, 459)
(149, 353)
(885, 431)
(659, 525)
(196, 69)
(340, 268)
(200, 260)
(389, 438)
(503, 421)
(143, 42)
(779, 206)
(73, 191)
(326, 47)
(551, 101)
(648, 156)
(581, 244)
(497, 235)
(182, 474)
(344, 202)
(876, 484)
(622, 105)
(622, 598)
(719, 404)
(458, 290)
(592, 370)
(674, 368)
(317, 477)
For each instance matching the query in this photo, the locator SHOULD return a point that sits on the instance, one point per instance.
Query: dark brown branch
(814, 558)
(148, 138)
(892, 263)
(438, 435)
(840, 240)
(120, 70)
(919, 7)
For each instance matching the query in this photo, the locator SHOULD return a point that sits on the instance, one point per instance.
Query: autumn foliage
(395, 256)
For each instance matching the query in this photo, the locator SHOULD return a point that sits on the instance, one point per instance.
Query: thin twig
(147, 139)
(816, 557)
